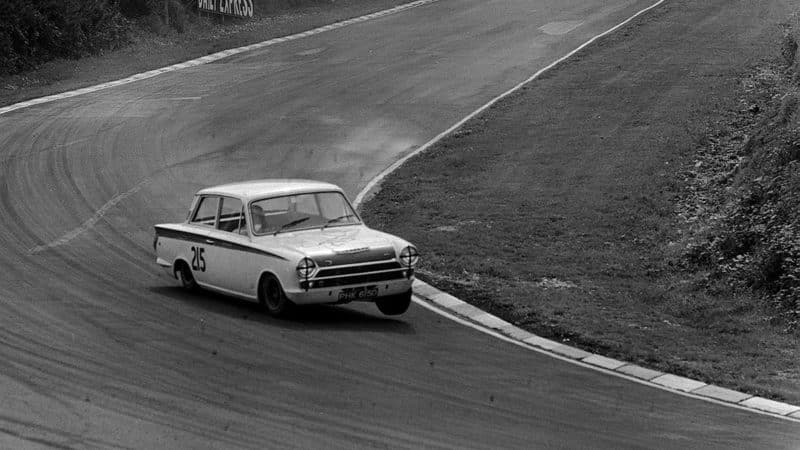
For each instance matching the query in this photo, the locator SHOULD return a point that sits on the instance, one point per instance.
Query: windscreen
(301, 211)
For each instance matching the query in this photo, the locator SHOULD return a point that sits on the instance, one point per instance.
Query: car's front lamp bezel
(409, 256)
(305, 268)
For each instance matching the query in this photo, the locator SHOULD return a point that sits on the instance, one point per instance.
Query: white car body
(353, 262)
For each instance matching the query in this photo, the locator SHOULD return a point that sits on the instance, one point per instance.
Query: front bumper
(310, 296)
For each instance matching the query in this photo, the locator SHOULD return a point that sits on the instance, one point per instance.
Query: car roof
(249, 190)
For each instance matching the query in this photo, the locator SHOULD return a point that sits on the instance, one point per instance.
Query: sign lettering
(238, 8)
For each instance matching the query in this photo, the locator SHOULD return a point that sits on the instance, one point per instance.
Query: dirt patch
(153, 46)
(558, 209)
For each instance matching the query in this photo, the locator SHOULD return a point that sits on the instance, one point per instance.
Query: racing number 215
(198, 261)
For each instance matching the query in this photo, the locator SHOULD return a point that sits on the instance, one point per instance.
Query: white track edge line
(374, 182)
(211, 57)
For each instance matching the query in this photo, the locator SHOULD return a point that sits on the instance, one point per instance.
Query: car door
(227, 251)
(197, 241)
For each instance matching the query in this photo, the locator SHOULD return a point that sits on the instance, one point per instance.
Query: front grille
(338, 271)
(315, 283)
(367, 256)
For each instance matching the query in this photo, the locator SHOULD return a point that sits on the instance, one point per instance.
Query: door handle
(209, 241)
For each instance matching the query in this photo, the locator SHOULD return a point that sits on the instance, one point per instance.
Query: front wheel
(272, 297)
(394, 305)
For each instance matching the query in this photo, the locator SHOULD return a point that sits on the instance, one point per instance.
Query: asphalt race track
(99, 350)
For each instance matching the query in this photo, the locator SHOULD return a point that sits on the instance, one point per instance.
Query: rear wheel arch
(176, 265)
(183, 272)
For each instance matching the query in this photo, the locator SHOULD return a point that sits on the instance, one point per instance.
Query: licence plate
(358, 293)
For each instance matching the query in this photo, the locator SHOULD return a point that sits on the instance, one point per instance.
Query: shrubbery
(754, 242)
(32, 31)
(35, 31)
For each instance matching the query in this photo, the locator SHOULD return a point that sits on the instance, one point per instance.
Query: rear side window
(206, 212)
(231, 216)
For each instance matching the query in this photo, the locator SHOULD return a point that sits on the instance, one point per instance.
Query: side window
(231, 218)
(206, 212)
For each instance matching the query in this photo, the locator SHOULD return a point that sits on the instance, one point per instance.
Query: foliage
(35, 31)
(751, 238)
(32, 31)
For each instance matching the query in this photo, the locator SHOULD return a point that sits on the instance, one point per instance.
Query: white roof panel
(265, 188)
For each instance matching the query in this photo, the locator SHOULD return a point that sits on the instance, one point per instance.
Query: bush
(754, 240)
(758, 241)
(32, 31)
(136, 8)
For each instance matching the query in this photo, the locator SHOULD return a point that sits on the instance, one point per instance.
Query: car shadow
(323, 317)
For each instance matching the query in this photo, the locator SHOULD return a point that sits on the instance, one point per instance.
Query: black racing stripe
(194, 237)
(182, 235)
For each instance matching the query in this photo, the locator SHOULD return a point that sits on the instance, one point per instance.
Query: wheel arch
(176, 265)
(266, 273)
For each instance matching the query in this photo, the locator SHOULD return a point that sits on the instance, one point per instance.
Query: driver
(257, 213)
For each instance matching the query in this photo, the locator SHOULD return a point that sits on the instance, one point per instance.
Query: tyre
(272, 297)
(394, 305)
(186, 277)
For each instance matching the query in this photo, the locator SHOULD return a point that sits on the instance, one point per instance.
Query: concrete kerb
(764, 404)
(602, 361)
(726, 395)
(678, 383)
(642, 373)
(464, 313)
(493, 325)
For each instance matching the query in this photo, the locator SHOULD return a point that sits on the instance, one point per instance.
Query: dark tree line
(33, 31)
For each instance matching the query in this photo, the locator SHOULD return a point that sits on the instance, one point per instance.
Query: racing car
(285, 243)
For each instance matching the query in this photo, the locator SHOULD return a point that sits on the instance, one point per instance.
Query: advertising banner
(238, 8)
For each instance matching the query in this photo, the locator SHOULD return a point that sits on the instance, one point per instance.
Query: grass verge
(152, 46)
(557, 209)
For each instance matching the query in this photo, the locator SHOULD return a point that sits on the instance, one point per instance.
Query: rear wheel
(394, 305)
(186, 277)
(272, 297)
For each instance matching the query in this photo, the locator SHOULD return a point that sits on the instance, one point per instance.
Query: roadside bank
(556, 210)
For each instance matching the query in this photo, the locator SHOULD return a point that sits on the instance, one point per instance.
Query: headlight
(409, 256)
(306, 267)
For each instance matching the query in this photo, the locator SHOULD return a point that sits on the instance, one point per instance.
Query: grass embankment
(148, 44)
(562, 209)
(743, 201)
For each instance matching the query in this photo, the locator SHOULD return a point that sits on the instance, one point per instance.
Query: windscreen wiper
(292, 223)
(336, 219)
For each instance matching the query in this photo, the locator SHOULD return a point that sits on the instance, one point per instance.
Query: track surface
(99, 350)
